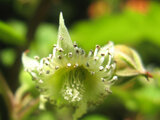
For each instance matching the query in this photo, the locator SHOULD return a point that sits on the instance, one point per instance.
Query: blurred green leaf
(27, 83)
(45, 37)
(7, 57)
(148, 99)
(26, 79)
(156, 76)
(19, 26)
(9, 35)
(43, 116)
(129, 27)
(95, 117)
(144, 100)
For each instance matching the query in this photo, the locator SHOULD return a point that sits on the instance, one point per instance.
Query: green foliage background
(136, 99)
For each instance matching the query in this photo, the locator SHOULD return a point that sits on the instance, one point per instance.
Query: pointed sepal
(64, 40)
(29, 63)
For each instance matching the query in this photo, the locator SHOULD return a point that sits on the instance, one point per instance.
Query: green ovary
(73, 85)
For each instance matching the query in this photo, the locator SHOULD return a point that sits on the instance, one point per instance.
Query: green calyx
(70, 76)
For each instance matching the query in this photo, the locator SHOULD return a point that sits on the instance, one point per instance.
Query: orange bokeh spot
(138, 5)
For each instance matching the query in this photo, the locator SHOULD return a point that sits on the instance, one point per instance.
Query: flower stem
(6, 94)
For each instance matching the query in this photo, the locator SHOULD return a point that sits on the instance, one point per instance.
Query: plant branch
(37, 18)
(30, 107)
(6, 93)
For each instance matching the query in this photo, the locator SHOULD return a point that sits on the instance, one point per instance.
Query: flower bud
(128, 62)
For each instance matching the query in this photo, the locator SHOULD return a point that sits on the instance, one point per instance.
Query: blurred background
(33, 25)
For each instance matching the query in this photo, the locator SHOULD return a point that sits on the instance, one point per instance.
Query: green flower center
(73, 87)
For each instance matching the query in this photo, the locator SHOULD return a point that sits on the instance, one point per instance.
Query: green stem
(33, 104)
(6, 94)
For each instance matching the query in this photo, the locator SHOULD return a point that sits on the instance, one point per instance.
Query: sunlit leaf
(10, 36)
